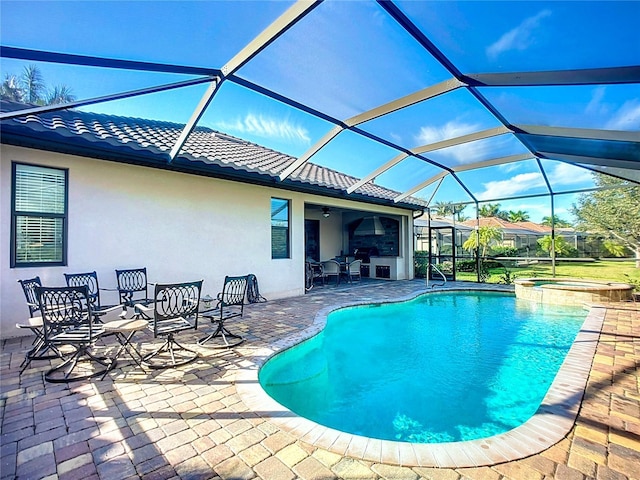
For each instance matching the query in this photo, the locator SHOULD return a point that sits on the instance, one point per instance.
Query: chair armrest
(144, 308)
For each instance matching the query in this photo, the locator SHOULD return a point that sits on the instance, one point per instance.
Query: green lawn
(616, 271)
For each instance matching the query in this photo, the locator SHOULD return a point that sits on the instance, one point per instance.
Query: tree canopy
(484, 239)
(613, 211)
(30, 87)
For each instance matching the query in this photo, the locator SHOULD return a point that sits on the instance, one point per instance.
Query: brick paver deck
(192, 423)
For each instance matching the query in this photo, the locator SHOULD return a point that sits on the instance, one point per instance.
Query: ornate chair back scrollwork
(175, 309)
(68, 320)
(133, 288)
(230, 304)
(90, 280)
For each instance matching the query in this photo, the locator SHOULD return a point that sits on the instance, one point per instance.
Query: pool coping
(553, 420)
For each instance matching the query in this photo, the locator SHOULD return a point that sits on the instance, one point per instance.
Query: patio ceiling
(439, 109)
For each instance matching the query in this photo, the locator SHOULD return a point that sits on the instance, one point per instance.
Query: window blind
(39, 215)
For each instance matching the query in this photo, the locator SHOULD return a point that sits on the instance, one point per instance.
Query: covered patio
(193, 422)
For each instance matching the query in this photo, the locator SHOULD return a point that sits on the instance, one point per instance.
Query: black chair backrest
(234, 291)
(88, 279)
(132, 286)
(64, 308)
(175, 300)
(28, 287)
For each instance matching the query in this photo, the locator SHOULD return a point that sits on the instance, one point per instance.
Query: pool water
(443, 367)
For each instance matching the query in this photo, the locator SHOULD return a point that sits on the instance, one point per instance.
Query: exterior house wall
(181, 227)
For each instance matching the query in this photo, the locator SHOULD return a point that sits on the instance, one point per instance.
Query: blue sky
(347, 57)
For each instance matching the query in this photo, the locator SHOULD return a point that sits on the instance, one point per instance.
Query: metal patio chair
(68, 320)
(39, 348)
(175, 309)
(133, 288)
(90, 279)
(230, 304)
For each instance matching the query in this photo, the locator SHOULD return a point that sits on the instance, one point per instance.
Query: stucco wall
(181, 227)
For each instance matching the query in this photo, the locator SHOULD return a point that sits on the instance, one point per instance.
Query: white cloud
(517, 184)
(627, 117)
(567, 174)
(451, 129)
(595, 105)
(464, 153)
(519, 38)
(262, 126)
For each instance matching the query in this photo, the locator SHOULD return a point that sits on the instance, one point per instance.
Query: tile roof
(206, 151)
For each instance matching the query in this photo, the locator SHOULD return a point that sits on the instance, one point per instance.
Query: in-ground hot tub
(571, 291)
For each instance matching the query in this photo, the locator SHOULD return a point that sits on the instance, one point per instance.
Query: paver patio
(191, 422)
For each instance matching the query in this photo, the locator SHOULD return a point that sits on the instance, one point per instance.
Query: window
(279, 228)
(38, 216)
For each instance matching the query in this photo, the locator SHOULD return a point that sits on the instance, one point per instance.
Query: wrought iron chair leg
(221, 331)
(168, 346)
(69, 365)
(38, 351)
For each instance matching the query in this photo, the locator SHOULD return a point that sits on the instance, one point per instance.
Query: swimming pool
(549, 425)
(443, 367)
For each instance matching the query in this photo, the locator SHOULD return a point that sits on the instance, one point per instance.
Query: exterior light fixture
(325, 212)
(207, 299)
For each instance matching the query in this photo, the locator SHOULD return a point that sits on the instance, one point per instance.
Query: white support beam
(379, 171)
(400, 103)
(452, 142)
(424, 184)
(493, 162)
(105, 98)
(435, 190)
(311, 152)
(586, 133)
(195, 117)
(599, 161)
(269, 34)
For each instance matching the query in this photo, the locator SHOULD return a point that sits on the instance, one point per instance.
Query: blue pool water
(443, 367)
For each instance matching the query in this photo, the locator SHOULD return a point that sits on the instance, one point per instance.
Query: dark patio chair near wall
(68, 320)
(175, 309)
(230, 304)
(133, 288)
(90, 280)
(39, 349)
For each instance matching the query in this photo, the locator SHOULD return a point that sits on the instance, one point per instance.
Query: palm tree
(489, 210)
(444, 209)
(557, 221)
(485, 237)
(60, 94)
(32, 84)
(11, 88)
(518, 216)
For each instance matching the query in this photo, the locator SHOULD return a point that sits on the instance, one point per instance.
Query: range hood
(369, 226)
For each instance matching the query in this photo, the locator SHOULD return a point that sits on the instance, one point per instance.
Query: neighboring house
(82, 192)
(523, 236)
